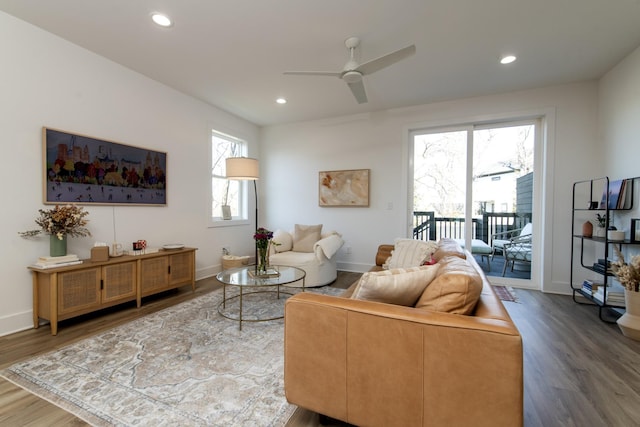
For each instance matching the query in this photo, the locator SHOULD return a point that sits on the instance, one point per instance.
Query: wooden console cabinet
(66, 292)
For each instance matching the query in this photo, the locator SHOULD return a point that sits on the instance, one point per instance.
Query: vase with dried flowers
(628, 274)
(58, 223)
(263, 240)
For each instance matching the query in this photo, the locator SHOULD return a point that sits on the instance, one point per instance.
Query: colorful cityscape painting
(85, 170)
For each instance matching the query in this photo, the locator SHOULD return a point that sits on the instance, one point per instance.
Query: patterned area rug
(182, 366)
(505, 293)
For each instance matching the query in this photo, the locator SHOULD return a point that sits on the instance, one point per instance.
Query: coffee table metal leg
(240, 307)
(224, 295)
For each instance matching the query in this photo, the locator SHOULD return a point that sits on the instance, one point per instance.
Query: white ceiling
(232, 53)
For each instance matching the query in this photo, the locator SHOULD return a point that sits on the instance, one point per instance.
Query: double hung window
(228, 197)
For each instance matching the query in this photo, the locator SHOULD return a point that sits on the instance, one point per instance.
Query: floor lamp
(245, 169)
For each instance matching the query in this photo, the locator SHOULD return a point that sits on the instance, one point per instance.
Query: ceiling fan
(353, 72)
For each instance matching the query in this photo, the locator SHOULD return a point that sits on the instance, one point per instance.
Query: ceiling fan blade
(386, 60)
(313, 73)
(357, 89)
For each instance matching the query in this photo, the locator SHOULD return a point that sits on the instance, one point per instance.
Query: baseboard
(16, 322)
(207, 272)
(354, 267)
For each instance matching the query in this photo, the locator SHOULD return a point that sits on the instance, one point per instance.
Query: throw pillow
(411, 253)
(305, 236)
(400, 286)
(448, 247)
(284, 241)
(456, 288)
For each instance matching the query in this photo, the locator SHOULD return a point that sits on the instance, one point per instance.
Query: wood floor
(579, 371)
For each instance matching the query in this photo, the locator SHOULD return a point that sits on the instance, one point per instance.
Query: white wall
(619, 118)
(292, 156)
(46, 81)
(619, 126)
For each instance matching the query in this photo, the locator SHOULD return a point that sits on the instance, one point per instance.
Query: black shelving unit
(598, 192)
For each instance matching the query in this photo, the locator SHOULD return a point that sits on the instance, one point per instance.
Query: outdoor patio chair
(498, 240)
(517, 250)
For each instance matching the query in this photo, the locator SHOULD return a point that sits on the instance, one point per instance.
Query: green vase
(57, 247)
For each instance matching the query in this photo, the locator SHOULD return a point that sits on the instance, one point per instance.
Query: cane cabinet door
(78, 291)
(119, 282)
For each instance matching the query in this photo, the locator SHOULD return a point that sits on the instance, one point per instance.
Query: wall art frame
(344, 188)
(90, 171)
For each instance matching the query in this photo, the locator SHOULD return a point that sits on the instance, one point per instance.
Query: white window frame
(242, 217)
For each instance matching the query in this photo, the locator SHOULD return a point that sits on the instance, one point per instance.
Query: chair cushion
(283, 240)
(455, 289)
(400, 286)
(305, 236)
(519, 252)
(411, 253)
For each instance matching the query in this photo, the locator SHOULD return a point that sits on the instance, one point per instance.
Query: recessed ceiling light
(508, 59)
(281, 101)
(162, 20)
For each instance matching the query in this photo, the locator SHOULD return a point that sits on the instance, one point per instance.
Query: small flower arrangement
(263, 240)
(61, 221)
(262, 237)
(627, 274)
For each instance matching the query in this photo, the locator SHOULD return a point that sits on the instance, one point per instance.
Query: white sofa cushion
(283, 241)
(401, 286)
(411, 253)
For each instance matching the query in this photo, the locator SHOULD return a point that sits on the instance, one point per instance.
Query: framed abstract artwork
(87, 170)
(344, 188)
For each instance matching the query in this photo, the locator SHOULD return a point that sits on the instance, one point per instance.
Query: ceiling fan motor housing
(352, 76)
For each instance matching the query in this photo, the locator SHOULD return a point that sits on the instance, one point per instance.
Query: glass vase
(263, 260)
(57, 247)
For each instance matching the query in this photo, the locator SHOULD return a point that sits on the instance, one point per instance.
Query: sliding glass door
(475, 184)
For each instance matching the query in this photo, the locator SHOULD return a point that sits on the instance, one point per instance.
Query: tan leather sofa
(375, 364)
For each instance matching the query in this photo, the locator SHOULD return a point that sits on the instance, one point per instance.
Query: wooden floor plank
(579, 371)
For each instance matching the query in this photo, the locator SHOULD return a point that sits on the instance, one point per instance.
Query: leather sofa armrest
(383, 254)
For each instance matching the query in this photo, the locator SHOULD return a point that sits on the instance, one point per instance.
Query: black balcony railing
(426, 226)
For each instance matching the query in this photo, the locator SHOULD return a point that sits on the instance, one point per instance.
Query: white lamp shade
(242, 168)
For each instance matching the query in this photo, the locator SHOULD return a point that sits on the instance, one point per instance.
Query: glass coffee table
(248, 284)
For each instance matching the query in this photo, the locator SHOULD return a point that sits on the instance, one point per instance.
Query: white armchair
(319, 264)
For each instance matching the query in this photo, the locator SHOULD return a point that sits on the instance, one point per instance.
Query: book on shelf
(614, 193)
(614, 292)
(591, 287)
(624, 199)
(57, 265)
(619, 195)
(602, 269)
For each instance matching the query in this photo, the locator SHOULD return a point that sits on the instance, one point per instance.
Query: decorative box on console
(99, 253)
